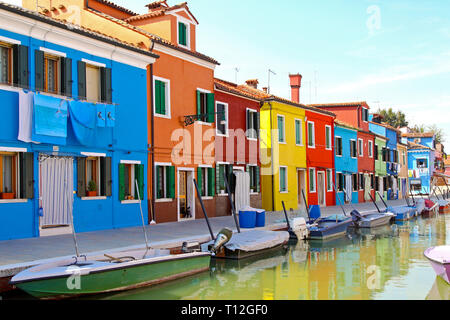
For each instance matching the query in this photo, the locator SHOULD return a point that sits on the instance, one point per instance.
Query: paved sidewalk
(15, 255)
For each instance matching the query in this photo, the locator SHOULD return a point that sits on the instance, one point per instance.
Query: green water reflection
(385, 263)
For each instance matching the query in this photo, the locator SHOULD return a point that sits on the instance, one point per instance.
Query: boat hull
(440, 262)
(118, 279)
(373, 223)
(328, 229)
(227, 254)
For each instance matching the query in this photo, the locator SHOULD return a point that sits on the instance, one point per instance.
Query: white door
(56, 194)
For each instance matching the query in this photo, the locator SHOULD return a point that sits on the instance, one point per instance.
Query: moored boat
(101, 274)
(439, 258)
(333, 226)
(371, 220)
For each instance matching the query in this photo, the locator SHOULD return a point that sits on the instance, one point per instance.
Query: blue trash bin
(247, 219)
(260, 219)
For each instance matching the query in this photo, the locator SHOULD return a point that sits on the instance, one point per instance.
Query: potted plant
(7, 195)
(92, 189)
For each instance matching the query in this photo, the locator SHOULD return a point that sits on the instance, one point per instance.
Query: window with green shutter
(182, 33)
(312, 180)
(165, 182)
(283, 179)
(281, 130)
(161, 97)
(328, 137)
(128, 175)
(298, 133)
(311, 135)
(206, 106)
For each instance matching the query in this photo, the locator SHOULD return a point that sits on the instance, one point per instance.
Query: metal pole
(285, 214)
(373, 200)
(204, 210)
(306, 205)
(233, 209)
(382, 200)
(339, 200)
(74, 235)
(142, 217)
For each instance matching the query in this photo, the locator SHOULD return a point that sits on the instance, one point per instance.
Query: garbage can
(247, 219)
(260, 219)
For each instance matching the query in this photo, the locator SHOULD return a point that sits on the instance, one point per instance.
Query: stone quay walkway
(17, 255)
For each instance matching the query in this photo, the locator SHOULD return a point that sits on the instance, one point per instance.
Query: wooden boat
(333, 226)
(102, 274)
(439, 258)
(371, 220)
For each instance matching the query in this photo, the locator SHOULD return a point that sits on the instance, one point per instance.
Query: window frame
(360, 147)
(227, 125)
(355, 143)
(98, 175)
(361, 181)
(285, 168)
(188, 33)
(57, 73)
(313, 180)
(329, 177)
(205, 93)
(14, 174)
(10, 63)
(313, 135)
(252, 133)
(370, 148)
(341, 149)
(300, 123)
(280, 116)
(329, 136)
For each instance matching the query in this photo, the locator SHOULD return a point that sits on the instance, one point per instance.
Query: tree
(438, 132)
(394, 119)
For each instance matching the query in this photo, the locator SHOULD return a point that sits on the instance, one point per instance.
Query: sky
(390, 53)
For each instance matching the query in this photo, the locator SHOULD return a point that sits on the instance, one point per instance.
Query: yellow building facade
(283, 155)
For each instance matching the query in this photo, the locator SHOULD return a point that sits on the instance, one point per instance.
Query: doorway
(321, 188)
(301, 187)
(186, 196)
(56, 195)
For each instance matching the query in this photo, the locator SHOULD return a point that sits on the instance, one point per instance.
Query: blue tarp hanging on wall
(83, 116)
(49, 119)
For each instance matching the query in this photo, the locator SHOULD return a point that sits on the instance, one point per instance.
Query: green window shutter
(162, 101)
(158, 184)
(217, 178)
(297, 132)
(106, 85)
(20, 72)
(199, 103)
(106, 183)
(27, 175)
(258, 179)
(327, 137)
(211, 182)
(257, 121)
(66, 76)
(221, 177)
(171, 182)
(280, 129)
(210, 107)
(121, 182)
(200, 180)
(182, 34)
(81, 177)
(139, 175)
(158, 97)
(282, 179)
(249, 114)
(39, 70)
(81, 66)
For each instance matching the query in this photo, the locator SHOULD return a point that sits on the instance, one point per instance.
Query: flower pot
(6, 196)
(92, 193)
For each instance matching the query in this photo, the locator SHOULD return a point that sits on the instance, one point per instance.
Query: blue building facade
(346, 164)
(73, 130)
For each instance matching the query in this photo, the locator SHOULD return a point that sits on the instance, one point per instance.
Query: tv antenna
(236, 70)
(268, 85)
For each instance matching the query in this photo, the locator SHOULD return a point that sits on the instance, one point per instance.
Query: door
(56, 194)
(186, 198)
(301, 181)
(321, 188)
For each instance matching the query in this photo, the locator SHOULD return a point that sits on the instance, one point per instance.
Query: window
(422, 163)
(252, 124)
(385, 154)
(5, 64)
(329, 180)
(372, 181)
(298, 132)
(340, 182)
(361, 181)
(183, 32)
(365, 115)
(283, 179)
(355, 182)
(165, 182)
(222, 118)
(370, 149)
(16, 175)
(353, 151)
(312, 180)
(162, 97)
(129, 173)
(328, 137)
(311, 135)
(94, 82)
(338, 146)
(377, 183)
(255, 186)
(221, 171)
(205, 106)
(404, 158)
(52, 74)
(94, 177)
(395, 156)
(361, 147)
(206, 181)
(281, 130)
(376, 152)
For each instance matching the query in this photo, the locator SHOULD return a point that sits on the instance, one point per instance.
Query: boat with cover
(373, 219)
(402, 213)
(439, 258)
(106, 273)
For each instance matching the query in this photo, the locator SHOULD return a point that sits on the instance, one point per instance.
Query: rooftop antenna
(236, 73)
(315, 84)
(268, 85)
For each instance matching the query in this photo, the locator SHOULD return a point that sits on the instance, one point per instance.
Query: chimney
(252, 83)
(265, 89)
(296, 83)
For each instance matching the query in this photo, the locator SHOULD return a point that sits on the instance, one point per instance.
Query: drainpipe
(271, 159)
(152, 119)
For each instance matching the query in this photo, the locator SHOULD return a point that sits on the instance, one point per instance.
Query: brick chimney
(296, 83)
(252, 83)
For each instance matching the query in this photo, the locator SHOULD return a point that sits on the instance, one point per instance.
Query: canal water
(382, 264)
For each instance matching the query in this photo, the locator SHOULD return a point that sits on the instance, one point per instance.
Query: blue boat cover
(83, 120)
(49, 119)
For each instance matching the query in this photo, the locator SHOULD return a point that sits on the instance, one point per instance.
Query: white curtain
(56, 190)
(367, 185)
(348, 188)
(242, 192)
